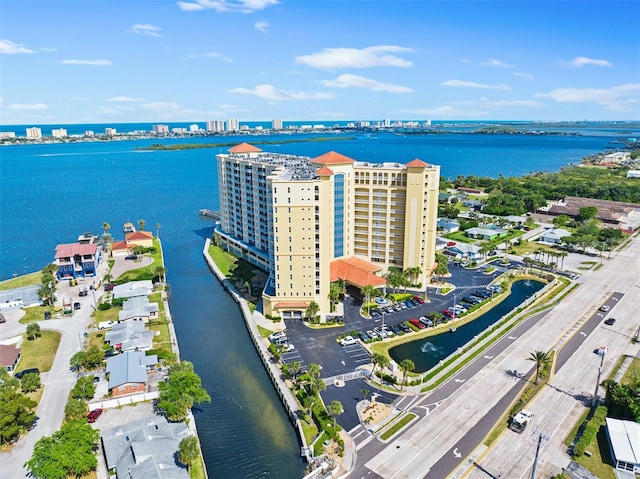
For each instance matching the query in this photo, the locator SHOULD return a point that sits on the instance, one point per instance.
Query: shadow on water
(426, 353)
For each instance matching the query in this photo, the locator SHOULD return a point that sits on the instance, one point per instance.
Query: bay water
(51, 193)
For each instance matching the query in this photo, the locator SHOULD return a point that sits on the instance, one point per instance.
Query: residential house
(9, 357)
(464, 251)
(486, 233)
(516, 221)
(128, 372)
(133, 289)
(624, 444)
(140, 238)
(130, 336)
(77, 260)
(553, 236)
(475, 205)
(145, 449)
(120, 248)
(138, 309)
(447, 226)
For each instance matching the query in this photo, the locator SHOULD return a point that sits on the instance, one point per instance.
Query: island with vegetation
(197, 146)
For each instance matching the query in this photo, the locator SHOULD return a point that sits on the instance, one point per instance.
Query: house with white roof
(138, 308)
(130, 336)
(133, 289)
(624, 442)
(464, 251)
(553, 236)
(486, 233)
(145, 449)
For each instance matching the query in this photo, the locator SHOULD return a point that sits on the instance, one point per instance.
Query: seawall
(285, 394)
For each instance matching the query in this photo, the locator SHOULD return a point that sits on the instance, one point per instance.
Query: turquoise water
(51, 193)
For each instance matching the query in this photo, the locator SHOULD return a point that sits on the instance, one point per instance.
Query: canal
(428, 352)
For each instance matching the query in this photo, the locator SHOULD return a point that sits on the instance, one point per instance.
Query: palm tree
(541, 358)
(157, 230)
(309, 403)
(368, 291)
(188, 451)
(294, 368)
(365, 393)
(106, 227)
(160, 272)
(379, 360)
(335, 409)
(312, 309)
(141, 224)
(107, 278)
(406, 365)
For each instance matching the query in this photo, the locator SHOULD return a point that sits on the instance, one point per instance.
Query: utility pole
(602, 351)
(541, 437)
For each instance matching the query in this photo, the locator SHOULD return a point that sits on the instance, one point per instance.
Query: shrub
(104, 306)
(590, 431)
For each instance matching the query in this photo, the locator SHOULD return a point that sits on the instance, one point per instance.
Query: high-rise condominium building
(161, 129)
(233, 124)
(34, 133)
(276, 124)
(215, 125)
(310, 222)
(59, 132)
(110, 132)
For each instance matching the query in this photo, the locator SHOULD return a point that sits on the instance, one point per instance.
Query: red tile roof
(244, 148)
(356, 271)
(417, 164)
(119, 245)
(139, 235)
(71, 249)
(332, 158)
(295, 304)
(325, 171)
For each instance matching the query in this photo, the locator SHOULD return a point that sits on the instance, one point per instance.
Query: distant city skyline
(258, 60)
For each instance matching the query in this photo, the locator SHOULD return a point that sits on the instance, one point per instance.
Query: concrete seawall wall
(285, 394)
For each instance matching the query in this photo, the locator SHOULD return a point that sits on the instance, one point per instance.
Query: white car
(277, 335)
(348, 341)
(287, 348)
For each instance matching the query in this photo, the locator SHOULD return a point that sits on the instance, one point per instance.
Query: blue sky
(85, 61)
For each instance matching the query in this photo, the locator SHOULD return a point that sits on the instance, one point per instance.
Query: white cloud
(25, 107)
(99, 63)
(377, 56)
(492, 62)
(355, 81)
(146, 29)
(242, 6)
(269, 92)
(162, 105)
(262, 26)
(45, 49)
(470, 84)
(7, 47)
(579, 62)
(523, 75)
(621, 98)
(123, 99)
(448, 112)
(214, 55)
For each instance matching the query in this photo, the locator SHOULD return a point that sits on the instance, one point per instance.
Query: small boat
(128, 228)
(453, 329)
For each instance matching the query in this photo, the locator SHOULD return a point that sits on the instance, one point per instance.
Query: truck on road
(67, 306)
(519, 421)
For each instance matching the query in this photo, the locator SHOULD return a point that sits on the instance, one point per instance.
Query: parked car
(131, 257)
(372, 334)
(426, 321)
(76, 306)
(397, 329)
(83, 291)
(348, 341)
(20, 374)
(610, 321)
(417, 323)
(388, 331)
(363, 336)
(447, 313)
(419, 299)
(287, 347)
(405, 327)
(277, 335)
(601, 351)
(108, 287)
(94, 415)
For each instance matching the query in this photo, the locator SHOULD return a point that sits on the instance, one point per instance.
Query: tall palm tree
(335, 290)
(379, 360)
(141, 224)
(541, 358)
(106, 227)
(335, 409)
(368, 291)
(406, 365)
(188, 451)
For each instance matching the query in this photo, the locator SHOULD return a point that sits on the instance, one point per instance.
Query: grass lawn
(397, 426)
(36, 313)
(30, 279)
(95, 339)
(600, 460)
(459, 236)
(108, 315)
(225, 261)
(197, 470)
(41, 352)
(634, 369)
(147, 272)
(264, 332)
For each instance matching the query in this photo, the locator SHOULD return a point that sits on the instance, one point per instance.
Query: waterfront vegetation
(30, 279)
(238, 271)
(197, 146)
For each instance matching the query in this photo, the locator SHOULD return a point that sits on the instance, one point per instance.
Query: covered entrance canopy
(356, 271)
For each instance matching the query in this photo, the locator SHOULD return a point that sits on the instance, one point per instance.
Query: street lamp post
(595, 394)
(51, 294)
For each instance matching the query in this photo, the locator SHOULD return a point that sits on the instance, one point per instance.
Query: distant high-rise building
(59, 133)
(194, 128)
(179, 130)
(276, 124)
(7, 134)
(233, 124)
(215, 125)
(310, 222)
(34, 133)
(110, 132)
(161, 129)
(89, 133)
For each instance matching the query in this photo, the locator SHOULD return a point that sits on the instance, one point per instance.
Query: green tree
(441, 269)
(365, 393)
(561, 221)
(587, 213)
(68, 452)
(181, 391)
(335, 290)
(30, 382)
(84, 388)
(189, 451)
(17, 412)
(312, 310)
(406, 365)
(379, 360)
(33, 330)
(309, 402)
(540, 358)
(141, 224)
(90, 359)
(335, 409)
(160, 273)
(368, 291)
(75, 410)
(106, 227)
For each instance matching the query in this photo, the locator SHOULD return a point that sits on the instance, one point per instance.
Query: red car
(108, 287)
(417, 323)
(419, 299)
(447, 313)
(94, 415)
